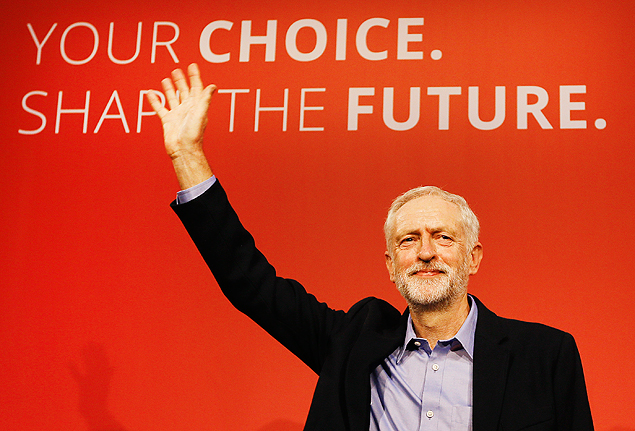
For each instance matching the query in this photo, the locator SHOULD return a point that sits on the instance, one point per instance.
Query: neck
(439, 323)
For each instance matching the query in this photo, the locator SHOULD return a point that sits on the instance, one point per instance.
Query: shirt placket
(431, 391)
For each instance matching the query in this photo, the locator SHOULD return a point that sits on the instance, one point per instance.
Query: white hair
(468, 218)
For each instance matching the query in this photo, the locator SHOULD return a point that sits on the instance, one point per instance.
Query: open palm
(185, 121)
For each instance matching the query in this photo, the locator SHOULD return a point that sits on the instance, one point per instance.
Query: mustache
(422, 266)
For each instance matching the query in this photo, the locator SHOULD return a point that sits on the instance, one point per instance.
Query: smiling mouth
(427, 272)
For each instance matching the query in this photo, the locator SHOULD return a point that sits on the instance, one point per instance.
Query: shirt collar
(465, 335)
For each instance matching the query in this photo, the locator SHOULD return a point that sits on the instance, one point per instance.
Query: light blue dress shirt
(416, 388)
(193, 192)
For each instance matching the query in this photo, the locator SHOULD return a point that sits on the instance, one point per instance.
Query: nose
(427, 250)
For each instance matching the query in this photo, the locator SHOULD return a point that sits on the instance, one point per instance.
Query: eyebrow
(433, 230)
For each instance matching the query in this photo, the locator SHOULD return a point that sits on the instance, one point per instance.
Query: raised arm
(184, 124)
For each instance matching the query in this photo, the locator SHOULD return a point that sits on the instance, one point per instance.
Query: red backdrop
(109, 318)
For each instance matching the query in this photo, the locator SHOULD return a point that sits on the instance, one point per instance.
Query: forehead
(428, 212)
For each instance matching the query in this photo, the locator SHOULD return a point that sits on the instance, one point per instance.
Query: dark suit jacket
(527, 376)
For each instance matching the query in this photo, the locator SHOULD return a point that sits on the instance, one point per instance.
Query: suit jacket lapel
(370, 349)
(491, 362)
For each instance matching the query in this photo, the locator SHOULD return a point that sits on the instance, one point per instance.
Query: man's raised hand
(184, 123)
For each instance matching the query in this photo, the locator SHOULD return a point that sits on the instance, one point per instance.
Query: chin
(425, 297)
(430, 294)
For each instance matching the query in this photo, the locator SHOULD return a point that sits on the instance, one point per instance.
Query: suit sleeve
(280, 306)
(572, 410)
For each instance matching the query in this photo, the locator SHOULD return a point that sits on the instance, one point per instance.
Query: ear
(476, 256)
(390, 266)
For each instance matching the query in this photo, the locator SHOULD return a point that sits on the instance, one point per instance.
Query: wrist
(191, 168)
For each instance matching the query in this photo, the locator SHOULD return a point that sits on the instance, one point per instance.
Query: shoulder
(533, 333)
(373, 306)
(375, 313)
(519, 333)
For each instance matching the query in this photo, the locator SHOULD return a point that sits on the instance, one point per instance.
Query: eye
(405, 242)
(445, 240)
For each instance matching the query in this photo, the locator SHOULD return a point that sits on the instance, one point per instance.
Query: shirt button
(429, 413)
(435, 367)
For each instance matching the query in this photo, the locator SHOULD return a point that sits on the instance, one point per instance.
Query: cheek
(402, 261)
(454, 260)
(458, 253)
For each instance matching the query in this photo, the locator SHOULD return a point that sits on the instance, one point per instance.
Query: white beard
(436, 293)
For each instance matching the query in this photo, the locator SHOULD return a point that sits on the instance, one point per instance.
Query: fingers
(155, 103)
(204, 101)
(183, 91)
(195, 79)
(181, 83)
(209, 91)
(170, 94)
